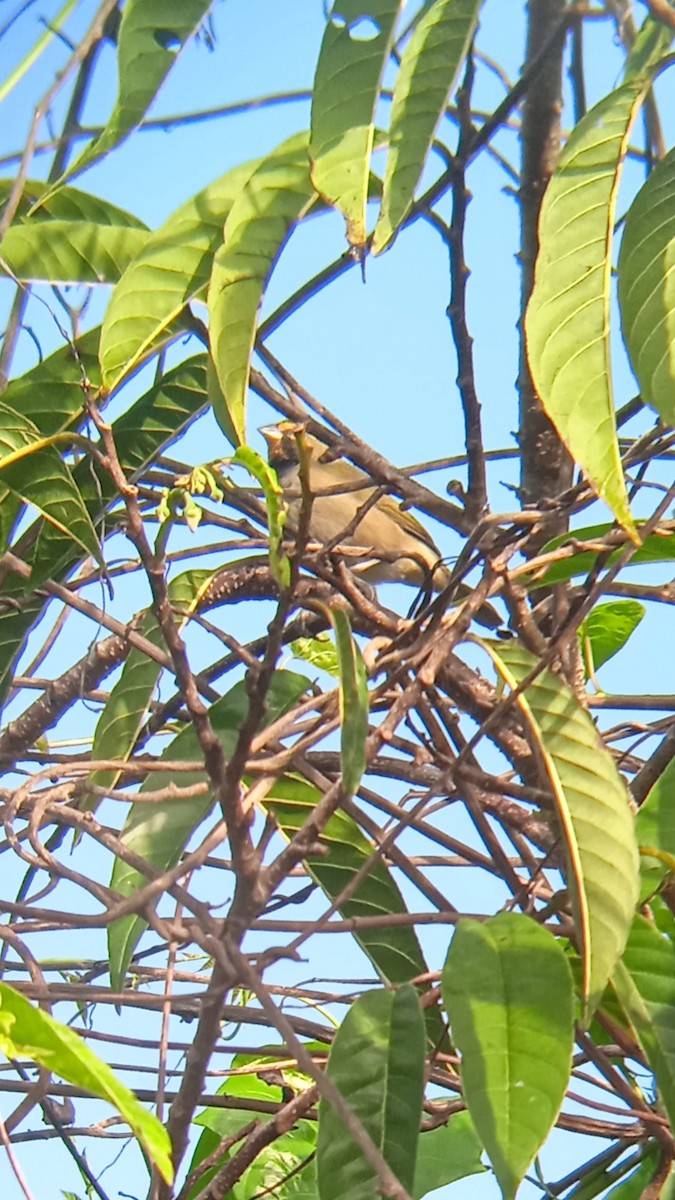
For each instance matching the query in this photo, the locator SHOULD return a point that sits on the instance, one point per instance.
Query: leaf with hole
(355, 49)
(151, 35)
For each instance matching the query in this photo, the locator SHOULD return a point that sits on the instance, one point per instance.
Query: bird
(396, 548)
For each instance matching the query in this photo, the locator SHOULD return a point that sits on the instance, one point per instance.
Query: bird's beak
(271, 433)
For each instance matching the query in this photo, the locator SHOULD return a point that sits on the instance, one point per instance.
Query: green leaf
(150, 36)
(66, 252)
(645, 984)
(606, 630)
(50, 395)
(567, 319)
(39, 203)
(593, 811)
(377, 1062)
(171, 270)
(27, 1032)
(286, 1154)
(354, 52)
(446, 1154)
(126, 709)
(657, 547)
(36, 474)
(633, 1188)
(319, 652)
(655, 833)
(354, 702)
(275, 197)
(655, 821)
(395, 952)
(149, 426)
(160, 832)
(426, 79)
(647, 287)
(276, 514)
(508, 990)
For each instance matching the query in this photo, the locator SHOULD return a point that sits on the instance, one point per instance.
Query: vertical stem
(546, 469)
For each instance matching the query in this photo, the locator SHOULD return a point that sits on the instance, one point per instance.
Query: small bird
(397, 549)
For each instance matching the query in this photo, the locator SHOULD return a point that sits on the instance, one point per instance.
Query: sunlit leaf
(151, 34)
(172, 269)
(647, 287)
(426, 78)
(593, 811)
(37, 474)
(28, 1032)
(377, 1063)
(51, 394)
(606, 630)
(69, 251)
(354, 52)
(507, 987)
(567, 319)
(275, 197)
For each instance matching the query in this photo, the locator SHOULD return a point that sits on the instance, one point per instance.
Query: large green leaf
(40, 204)
(425, 81)
(160, 832)
(594, 815)
(606, 630)
(274, 198)
(172, 269)
(150, 36)
(507, 987)
(567, 319)
(35, 472)
(647, 287)
(645, 984)
(377, 1063)
(77, 251)
(28, 1032)
(354, 52)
